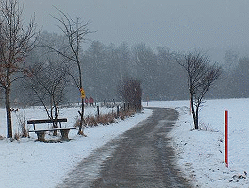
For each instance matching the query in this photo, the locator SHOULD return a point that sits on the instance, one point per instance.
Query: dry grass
(105, 119)
(77, 123)
(17, 136)
(128, 113)
(91, 121)
(22, 131)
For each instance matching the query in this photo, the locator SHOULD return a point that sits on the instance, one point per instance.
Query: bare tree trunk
(7, 104)
(82, 99)
(56, 117)
(81, 117)
(196, 120)
(193, 110)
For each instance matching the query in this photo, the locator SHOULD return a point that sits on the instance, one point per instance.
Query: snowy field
(200, 153)
(27, 163)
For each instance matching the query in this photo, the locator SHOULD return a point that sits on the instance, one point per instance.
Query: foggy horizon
(180, 25)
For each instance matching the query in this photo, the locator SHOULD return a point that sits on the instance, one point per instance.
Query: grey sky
(177, 24)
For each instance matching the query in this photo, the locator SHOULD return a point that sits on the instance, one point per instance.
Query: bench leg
(41, 136)
(55, 133)
(64, 134)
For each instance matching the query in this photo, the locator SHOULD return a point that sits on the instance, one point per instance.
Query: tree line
(51, 69)
(105, 66)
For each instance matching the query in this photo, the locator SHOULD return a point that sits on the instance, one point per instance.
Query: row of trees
(105, 66)
(161, 76)
(51, 69)
(47, 80)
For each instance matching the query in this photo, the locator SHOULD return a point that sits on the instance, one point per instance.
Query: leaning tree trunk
(80, 132)
(81, 117)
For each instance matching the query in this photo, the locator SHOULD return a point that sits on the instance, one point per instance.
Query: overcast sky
(177, 24)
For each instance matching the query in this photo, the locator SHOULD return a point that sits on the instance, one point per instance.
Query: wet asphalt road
(141, 157)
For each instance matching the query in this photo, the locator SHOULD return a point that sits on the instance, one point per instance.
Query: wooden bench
(41, 132)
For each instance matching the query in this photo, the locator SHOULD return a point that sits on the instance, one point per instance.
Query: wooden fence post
(118, 110)
(98, 110)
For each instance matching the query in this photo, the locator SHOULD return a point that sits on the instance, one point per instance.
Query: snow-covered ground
(27, 163)
(200, 153)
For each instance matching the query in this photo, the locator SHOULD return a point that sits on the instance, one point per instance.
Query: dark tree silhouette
(201, 75)
(131, 92)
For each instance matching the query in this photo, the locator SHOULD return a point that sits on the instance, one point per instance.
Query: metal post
(226, 138)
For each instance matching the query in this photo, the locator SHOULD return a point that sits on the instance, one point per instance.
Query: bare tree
(15, 41)
(201, 74)
(75, 33)
(48, 82)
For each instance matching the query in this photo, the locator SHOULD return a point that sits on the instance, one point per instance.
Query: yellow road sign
(82, 93)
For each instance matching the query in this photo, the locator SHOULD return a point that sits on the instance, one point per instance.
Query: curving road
(141, 157)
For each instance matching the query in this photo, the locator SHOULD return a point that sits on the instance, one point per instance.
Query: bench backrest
(40, 121)
(46, 121)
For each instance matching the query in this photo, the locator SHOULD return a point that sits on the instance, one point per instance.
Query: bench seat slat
(54, 129)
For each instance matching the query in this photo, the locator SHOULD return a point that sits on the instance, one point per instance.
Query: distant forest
(105, 66)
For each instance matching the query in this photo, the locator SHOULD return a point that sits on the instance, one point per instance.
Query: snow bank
(200, 153)
(27, 163)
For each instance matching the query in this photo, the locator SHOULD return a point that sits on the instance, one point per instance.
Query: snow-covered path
(140, 157)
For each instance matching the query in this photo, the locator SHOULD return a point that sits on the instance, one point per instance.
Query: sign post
(226, 138)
